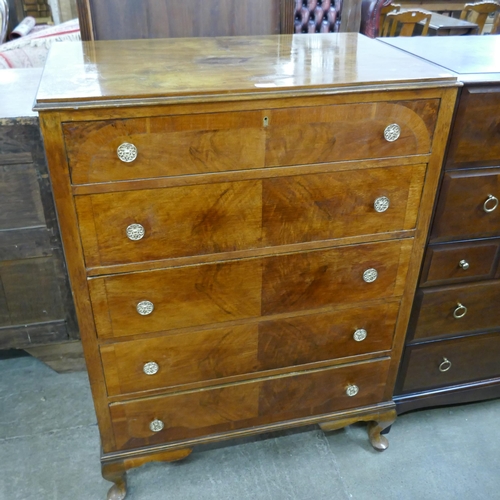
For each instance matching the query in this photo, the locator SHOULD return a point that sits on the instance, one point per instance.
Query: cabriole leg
(384, 420)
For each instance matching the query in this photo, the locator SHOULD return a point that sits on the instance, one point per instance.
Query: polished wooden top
(18, 90)
(438, 21)
(473, 58)
(220, 68)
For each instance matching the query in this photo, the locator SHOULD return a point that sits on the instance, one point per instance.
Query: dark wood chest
(36, 307)
(452, 352)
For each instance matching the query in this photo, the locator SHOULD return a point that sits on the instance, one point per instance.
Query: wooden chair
(479, 12)
(406, 22)
(393, 7)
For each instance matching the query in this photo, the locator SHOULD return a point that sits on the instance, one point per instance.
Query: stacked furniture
(36, 307)
(452, 352)
(244, 221)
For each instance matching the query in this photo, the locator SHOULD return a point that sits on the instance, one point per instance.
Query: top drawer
(195, 144)
(476, 133)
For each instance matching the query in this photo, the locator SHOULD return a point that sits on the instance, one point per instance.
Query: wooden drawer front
(348, 132)
(460, 262)
(167, 145)
(460, 212)
(212, 218)
(224, 409)
(182, 145)
(476, 133)
(471, 358)
(235, 290)
(436, 308)
(224, 352)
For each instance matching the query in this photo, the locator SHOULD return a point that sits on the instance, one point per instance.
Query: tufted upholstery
(317, 16)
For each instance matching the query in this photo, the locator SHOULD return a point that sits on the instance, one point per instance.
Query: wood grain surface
(219, 353)
(475, 138)
(225, 217)
(460, 210)
(223, 68)
(434, 309)
(217, 410)
(182, 145)
(171, 18)
(238, 290)
(423, 362)
(442, 262)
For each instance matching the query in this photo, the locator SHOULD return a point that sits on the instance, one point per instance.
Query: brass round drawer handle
(464, 265)
(156, 425)
(145, 307)
(490, 204)
(445, 365)
(460, 311)
(392, 132)
(135, 232)
(151, 368)
(381, 204)
(126, 152)
(359, 335)
(352, 390)
(370, 275)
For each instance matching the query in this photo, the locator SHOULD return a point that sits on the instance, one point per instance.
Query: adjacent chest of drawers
(452, 352)
(35, 301)
(244, 229)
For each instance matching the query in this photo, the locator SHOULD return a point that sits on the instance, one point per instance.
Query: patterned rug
(30, 51)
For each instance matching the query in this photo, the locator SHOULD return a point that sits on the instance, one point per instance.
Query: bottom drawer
(206, 412)
(449, 362)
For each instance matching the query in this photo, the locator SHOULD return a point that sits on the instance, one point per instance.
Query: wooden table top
(438, 21)
(473, 58)
(222, 68)
(18, 90)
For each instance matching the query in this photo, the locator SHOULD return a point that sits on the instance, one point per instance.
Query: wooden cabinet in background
(36, 307)
(452, 352)
(243, 230)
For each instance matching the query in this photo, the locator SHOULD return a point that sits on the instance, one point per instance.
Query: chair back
(393, 7)
(403, 23)
(478, 13)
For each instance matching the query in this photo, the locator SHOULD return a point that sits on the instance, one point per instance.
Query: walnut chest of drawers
(244, 220)
(452, 352)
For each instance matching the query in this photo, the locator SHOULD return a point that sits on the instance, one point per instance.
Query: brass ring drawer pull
(464, 265)
(145, 307)
(150, 368)
(460, 311)
(352, 390)
(360, 334)
(381, 204)
(156, 425)
(392, 132)
(135, 232)
(126, 152)
(370, 275)
(445, 365)
(490, 204)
